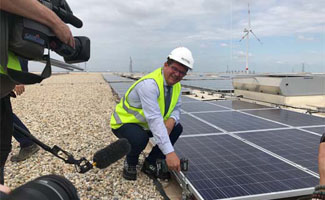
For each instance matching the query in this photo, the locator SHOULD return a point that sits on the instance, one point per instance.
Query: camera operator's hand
(4, 189)
(173, 162)
(19, 89)
(62, 31)
(33, 9)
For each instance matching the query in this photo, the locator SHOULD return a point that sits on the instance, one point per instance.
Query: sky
(292, 33)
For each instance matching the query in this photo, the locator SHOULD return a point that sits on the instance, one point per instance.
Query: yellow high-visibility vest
(13, 63)
(124, 113)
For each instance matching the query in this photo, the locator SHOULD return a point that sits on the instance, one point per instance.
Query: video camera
(30, 32)
(49, 187)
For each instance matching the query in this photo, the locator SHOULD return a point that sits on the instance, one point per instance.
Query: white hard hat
(182, 55)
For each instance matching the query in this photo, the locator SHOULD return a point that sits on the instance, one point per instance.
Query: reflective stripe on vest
(124, 113)
(13, 63)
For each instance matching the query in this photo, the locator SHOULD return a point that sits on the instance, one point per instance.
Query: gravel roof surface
(72, 111)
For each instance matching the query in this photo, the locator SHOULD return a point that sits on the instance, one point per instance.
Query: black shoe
(151, 171)
(25, 153)
(129, 172)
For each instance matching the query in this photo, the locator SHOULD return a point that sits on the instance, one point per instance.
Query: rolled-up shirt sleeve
(148, 93)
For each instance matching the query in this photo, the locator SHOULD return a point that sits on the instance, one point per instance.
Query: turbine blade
(243, 37)
(256, 36)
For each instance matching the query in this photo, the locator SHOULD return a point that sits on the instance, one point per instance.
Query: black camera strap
(4, 38)
(30, 78)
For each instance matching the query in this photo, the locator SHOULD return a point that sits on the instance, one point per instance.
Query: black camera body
(162, 167)
(29, 38)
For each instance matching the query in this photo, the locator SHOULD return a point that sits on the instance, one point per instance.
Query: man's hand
(4, 189)
(173, 162)
(19, 89)
(169, 123)
(33, 9)
(62, 31)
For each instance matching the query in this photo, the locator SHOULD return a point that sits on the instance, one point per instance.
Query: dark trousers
(6, 129)
(138, 138)
(23, 140)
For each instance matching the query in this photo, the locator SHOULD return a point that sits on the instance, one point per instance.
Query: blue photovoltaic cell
(115, 78)
(224, 167)
(188, 99)
(194, 126)
(238, 105)
(319, 130)
(217, 85)
(289, 117)
(121, 88)
(235, 121)
(200, 107)
(293, 144)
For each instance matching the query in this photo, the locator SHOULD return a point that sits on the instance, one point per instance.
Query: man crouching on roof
(151, 108)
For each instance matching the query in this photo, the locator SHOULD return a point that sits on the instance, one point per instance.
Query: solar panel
(319, 130)
(271, 159)
(193, 126)
(216, 84)
(116, 78)
(293, 144)
(289, 117)
(201, 107)
(238, 105)
(224, 167)
(186, 99)
(121, 87)
(236, 121)
(200, 77)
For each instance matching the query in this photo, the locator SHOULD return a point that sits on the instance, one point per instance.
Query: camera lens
(81, 52)
(49, 187)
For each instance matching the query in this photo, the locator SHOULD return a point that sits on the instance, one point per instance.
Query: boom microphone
(105, 157)
(112, 153)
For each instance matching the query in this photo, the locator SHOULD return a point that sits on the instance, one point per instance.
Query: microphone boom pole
(102, 158)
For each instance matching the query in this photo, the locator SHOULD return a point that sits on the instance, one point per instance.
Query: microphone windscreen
(112, 153)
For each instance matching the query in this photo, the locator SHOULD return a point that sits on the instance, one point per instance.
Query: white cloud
(148, 29)
(280, 62)
(302, 37)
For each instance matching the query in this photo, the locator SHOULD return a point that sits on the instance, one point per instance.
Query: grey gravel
(73, 112)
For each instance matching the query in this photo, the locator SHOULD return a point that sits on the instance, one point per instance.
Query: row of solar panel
(248, 151)
(222, 166)
(111, 78)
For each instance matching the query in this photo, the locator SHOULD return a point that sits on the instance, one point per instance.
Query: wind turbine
(130, 67)
(248, 31)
